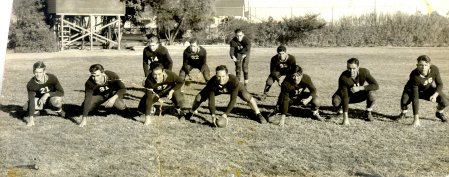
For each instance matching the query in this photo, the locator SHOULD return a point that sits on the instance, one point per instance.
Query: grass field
(115, 146)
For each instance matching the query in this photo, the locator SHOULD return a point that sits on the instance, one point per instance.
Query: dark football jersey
(345, 83)
(292, 90)
(37, 90)
(112, 86)
(283, 66)
(161, 55)
(214, 88)
(240, 47)
(418, 84)
(195, 59)
(170, 81)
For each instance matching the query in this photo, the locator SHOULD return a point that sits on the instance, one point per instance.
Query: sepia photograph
(224, 88)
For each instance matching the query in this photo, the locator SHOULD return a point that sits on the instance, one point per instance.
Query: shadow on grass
(14, 111)
(365, 174)
(204, 120)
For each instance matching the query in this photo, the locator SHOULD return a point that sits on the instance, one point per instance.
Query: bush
(30, 32)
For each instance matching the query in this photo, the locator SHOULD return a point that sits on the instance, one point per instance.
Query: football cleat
(318, 117)
(61, 113)
(441, 116)
(369, 116)
(262, 119)
(402, 115)
(188, 115)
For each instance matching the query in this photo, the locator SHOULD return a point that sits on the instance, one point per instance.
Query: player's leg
(270, 80)
(246, 96)
(206, 72)
(284, 103)
(184, 71)
(443, 102)
(200, 98)
(179, 102)
(306, 98)
(336, 103)
(56, 103)
(405, 101)
(245, 67)
(238, 66)
(146, 105)
(369, 97)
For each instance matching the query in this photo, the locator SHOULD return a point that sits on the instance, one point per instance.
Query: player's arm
(31, 107)
(168, 60)
(232, 50)
(87, 103)
(59, 91)
(291, 63)
(438, 83)
(185, 60)
(145, 64)
(233, 98)
(273, 65)
(203, 56)
(311, 87)
(212, 108)
(247, 43)
(343, 88)
(415, 104)
(286, 91)
(178, 82)
(372, 83)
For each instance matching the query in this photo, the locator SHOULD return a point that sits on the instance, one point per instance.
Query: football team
(161, 84)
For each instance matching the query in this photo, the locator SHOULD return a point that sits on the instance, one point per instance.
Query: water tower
(77, 20)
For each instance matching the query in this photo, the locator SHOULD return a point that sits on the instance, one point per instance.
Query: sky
(333, 9)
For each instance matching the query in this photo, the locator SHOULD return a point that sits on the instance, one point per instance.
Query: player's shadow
(14, 111)
(366, 174)
(202, 119)
(188, 83)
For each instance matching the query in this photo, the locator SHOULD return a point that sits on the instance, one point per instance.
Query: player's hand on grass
(147, 120)
(243, 56)
(282, 121)
(434, 97)
(234, 59)
(83, 122)
(110, 102)
(43, 99)
(30, 121)
(416, 122)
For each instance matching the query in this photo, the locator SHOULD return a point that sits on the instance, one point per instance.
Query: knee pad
(198, 98)
(336, 100)
(56, 102)
(120, 104)
(270, 80)
(372, 95)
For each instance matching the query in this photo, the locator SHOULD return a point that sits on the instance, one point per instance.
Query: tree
(174, 16)
(29, 31)
(294, 28)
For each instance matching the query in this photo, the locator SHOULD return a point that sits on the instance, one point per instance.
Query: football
(220, 122)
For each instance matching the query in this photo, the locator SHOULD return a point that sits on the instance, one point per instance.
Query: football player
(280, 65)
(103, 86)
(44, 91)
(194, 56)
(155, 52)
(297, 88)
(240, 52)
(224, 83)
(352, 89)
(161, 83)
(424, 83)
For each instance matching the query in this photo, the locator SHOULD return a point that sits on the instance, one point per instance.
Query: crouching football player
(159, 84)
(352, 89)
(224, 83)
(44, 91)
(194, 56)
(293, 91)
(103, 86)
(424, 83)
(280, 65)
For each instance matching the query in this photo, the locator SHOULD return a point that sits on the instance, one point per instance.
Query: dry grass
(114, 146)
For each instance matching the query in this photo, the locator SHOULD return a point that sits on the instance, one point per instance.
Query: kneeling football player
(103, 86)
(280, 65)
(424, 83)
(293, 91)
(159, 84)
(224, 83)
(351, 89)
(44, 91)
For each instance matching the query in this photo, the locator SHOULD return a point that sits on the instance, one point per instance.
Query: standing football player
(44, 91)
(159, 84)
(280, 65)
(424, 83)
(224, 83)
(293, 92)
(194, 56)
(352, 89)
(155, 52)
(240, 52)
(103, 86)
